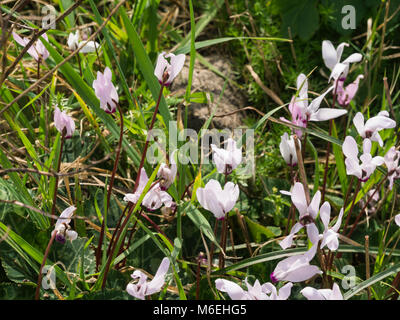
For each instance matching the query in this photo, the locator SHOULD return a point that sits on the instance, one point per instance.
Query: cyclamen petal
(217, 200)
(345, 95)
(332, 59)
(73, 40)
(234, 291)
(226, 160)
(288, 149)
(63, 123)
(322, 294)
(370, 129)
(37, 51)
(368, 163)
(105, 91)
(397, 219)
(296, 268)
(62, 229)
(165, 71)
(142, 288)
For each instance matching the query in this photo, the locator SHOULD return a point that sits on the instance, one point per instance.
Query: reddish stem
(46, 253)
(118, 152)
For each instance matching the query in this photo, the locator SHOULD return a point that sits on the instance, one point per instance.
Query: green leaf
(201, 222)
(301, 16)
(17, 291)
(374, 279)
(257, 230)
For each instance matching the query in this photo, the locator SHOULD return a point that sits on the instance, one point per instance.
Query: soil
(205, 80)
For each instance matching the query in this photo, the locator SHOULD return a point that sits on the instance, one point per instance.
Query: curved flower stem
(328, 147)
(153, 119)
(46, 253)
(110, 186)
(118, 231)
(116, 228)
(114, 244)
(53, 207)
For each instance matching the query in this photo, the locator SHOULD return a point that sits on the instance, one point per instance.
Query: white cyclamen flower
(217, 200)
(322, 294)
(332, 58)
(370, 129)
(288, 149)
(391, 159)
(167, 71)
(226, 160)
(145, 288)
(155, 196)
(368, 163)
(296, 268)
(330, 235)
(267, 291)
(62, 228)
(308, 214)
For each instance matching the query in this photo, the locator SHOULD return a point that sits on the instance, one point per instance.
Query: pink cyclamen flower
(37, 51)
(217, 200)
(155, 196)
(370, 129)
(391, 159)
(167, 71)
(64, 123)
(105, 91)
(288, 149)
(226, 160)
(345, 95)
(332, 58)
(308, 214)
(145, 288)
(322, 294)
(330, 235)
(167, 173)
(267, 291)
(62, 228)
(302, 112)
(368, 163)
(296, 268)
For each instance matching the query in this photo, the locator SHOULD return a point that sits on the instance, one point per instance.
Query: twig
(267, 90)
